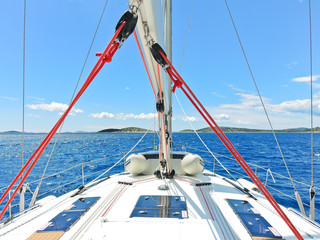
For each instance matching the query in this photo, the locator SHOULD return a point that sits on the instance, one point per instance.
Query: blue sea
(93, 153)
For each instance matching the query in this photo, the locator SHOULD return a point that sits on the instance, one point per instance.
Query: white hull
(109, 217)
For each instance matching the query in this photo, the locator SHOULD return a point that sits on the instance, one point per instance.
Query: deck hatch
(157, 206)
(242, 206)
(257, 225)
(65, 219)
(83, 204)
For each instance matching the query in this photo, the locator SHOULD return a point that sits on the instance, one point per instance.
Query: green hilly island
(122, 130)
(244, 130)
(201, 130)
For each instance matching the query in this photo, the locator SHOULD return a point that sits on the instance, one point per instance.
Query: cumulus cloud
(102, 115)
(221, 116)
(54, 107)
(122, 116)
(190, 119)
(248, 111)
(306, 79)
(247, 101)
(297, 106)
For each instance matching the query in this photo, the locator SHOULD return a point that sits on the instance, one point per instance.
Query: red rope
(180, 179)
(48, 138)
(110, 205)
(145, 179)
(165, 142)
(160, 148)
(206, 204)
(158, 70)
(144, 63)
(162, 114)
(197, 104)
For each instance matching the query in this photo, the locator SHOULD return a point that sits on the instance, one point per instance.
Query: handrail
(252, 164)
(94, 160)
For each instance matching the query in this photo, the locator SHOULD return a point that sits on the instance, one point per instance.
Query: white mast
(168, 49)
(154, 26)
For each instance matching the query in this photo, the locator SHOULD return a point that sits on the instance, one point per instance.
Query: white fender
(192, 164)
(136, 164)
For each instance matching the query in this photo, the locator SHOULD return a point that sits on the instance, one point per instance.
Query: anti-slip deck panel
(65, 219)
(157, 206)
(257, 226)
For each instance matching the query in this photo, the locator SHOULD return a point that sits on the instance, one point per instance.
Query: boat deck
(205, 206)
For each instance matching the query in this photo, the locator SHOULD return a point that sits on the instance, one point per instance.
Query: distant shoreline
(202, 130)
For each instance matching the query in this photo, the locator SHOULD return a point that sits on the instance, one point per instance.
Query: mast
(168, 49)
(154, 26)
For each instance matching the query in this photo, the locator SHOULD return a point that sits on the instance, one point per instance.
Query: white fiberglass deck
(209, 214)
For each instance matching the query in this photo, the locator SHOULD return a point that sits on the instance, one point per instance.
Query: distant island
(201, 130)
(248, 130)
(123, 130)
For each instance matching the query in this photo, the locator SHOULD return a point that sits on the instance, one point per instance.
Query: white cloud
(190, 119)
(221, 116)
(54, 107)
(248, 111)
(102, 115)
(235, 88)
(306, 79)
(247, 101)
(122, 116)
(127, 88)
(297, 106)
(9, 98)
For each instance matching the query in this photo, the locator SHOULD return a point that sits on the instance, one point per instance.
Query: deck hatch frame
(67, 218)
(160, 206)
(257, 226)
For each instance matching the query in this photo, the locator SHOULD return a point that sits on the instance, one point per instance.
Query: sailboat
(162, 193)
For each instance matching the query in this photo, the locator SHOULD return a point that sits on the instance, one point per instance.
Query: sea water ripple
(82, 149)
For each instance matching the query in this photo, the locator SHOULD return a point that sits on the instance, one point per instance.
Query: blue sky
(275, 35)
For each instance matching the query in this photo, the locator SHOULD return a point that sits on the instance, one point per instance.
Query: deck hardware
(131, 22)
(163, 187)
(155, 49)
(160, 106)
(203, 184)
(125, 183)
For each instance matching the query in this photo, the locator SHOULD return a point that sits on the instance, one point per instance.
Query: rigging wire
(75, 89)
(195, 131)
(262, 102)
(163, 121)
(121, 158)
(311, 94)
(23, 78)
(185, 42)
(312, 190)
